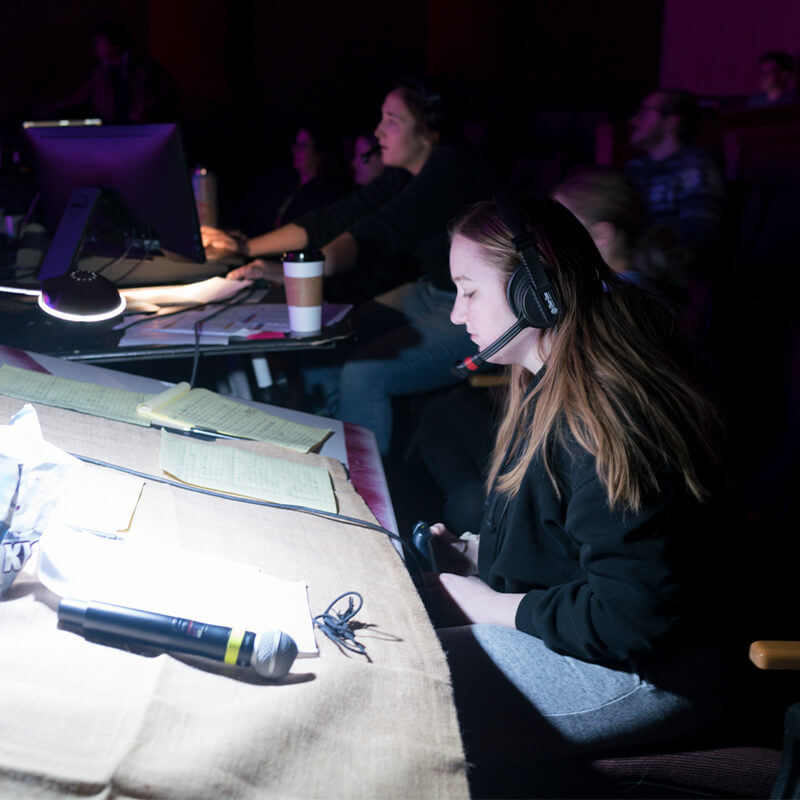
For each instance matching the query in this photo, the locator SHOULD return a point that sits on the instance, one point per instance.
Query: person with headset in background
(589, 613)
(366, 163)
(405, 343)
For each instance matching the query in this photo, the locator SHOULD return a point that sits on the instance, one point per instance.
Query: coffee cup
(302, 279)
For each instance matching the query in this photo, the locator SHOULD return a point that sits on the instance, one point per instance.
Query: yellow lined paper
(227, 469)
(186, 408)
(50, 390)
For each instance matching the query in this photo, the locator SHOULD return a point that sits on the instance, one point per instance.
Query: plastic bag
(33, 477)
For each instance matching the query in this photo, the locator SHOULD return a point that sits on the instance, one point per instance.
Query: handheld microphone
(270, 654)
(474, 363)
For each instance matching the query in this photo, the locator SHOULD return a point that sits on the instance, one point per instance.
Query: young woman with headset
(405, 340)
(593, 621)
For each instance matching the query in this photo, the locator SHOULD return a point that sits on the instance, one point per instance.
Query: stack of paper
(90, 398)
(190, 409)
(213, 590)
(215, 324)
(179, 407)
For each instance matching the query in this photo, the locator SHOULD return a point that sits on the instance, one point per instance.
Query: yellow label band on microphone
(234, 645)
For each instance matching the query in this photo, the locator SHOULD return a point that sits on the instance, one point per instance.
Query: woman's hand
(216, 239)
(454, 554)
(480, 603)
(265, 270)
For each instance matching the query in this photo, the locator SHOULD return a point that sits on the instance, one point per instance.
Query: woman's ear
(431, 138)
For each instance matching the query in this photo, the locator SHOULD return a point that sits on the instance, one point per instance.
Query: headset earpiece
(522, 299)
(529, 293)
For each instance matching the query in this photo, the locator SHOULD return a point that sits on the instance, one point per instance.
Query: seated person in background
(367, 163)
(680, 185)
(123, 89)
(405, 342)
(776, 70)
(597, 616)
(315, 178)
(611, 209)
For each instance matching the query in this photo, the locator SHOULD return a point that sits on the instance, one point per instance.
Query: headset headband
(525, 242)
(432, 101)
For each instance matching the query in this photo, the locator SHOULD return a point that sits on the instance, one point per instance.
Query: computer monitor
(145, 201)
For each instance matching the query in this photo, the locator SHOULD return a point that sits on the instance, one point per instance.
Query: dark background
(539, 74)
(249, 70)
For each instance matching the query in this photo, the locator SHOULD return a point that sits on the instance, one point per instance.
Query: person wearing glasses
(367, 163)
(680, 184)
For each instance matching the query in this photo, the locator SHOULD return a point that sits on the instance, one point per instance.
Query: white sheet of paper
(218, 323)
(208, 589)
(100, 500)
(145, 335)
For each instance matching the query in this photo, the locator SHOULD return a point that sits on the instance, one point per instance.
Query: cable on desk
(408, 548)
(337, 625)
(181, 310)
(29, 213)
(13, 272)
(116, 259)
(236, 300)
(245, 291)
(129, 272)
(131, 238)
(239, 498)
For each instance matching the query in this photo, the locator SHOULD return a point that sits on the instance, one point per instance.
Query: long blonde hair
(609, 379)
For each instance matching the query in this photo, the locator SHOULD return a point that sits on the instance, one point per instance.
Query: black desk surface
(25, 326)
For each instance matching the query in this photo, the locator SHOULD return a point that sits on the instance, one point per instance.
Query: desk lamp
(81, 296)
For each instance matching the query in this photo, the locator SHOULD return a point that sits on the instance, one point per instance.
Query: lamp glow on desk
(79, 296)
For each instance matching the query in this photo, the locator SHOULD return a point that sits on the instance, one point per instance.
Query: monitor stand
(62, 254)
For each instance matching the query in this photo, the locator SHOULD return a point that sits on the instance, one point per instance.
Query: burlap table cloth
(82, 719)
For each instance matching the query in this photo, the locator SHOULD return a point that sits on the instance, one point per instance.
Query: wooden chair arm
(775, 654)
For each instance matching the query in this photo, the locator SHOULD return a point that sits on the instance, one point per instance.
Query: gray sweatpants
(520, 702)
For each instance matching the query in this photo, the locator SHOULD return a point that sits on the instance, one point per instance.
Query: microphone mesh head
(274, 653)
